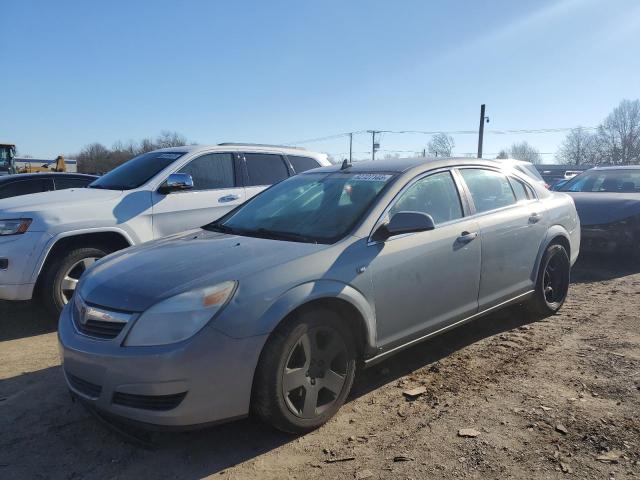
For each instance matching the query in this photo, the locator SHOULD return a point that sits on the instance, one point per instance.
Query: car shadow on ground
(601, 267)
(24, 319)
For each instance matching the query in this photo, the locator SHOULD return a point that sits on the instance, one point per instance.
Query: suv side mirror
(176, 182)
(405, 222)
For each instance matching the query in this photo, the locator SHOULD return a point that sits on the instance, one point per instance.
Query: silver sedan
(270, 309)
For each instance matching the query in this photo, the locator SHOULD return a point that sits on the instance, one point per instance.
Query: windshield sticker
(372, 177)
(170, 156)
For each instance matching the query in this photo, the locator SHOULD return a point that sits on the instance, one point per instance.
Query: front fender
(301, 295)
(73, 233)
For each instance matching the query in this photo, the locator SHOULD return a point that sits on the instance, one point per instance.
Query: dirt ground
(554, 398)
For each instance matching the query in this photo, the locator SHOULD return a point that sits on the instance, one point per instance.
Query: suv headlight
(179, 317)
(14, 226)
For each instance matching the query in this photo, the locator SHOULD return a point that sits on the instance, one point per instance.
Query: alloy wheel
(72, 276)
(554, 280)
(315, 372)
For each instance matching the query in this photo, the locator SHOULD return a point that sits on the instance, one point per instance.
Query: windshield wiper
(219, 227)
(277, 235)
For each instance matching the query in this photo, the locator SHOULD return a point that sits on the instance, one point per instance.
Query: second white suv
(48, 239)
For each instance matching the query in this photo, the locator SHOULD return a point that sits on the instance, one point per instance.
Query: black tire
(50, 283)
(288, 411)
(552, 284)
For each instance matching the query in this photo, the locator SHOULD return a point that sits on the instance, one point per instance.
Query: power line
(447, 132)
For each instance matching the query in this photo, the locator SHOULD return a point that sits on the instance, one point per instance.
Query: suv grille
(87, 388)
(149, 402)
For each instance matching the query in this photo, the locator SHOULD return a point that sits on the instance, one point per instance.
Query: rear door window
(302, 164)
(211, 171)
(265, 169)
(519, 189)
(490, 190)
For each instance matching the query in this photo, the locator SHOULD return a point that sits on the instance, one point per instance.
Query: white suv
(48, 239)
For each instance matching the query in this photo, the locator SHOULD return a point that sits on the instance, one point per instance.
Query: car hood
(139, 277)
(76, 198)
(600, 207)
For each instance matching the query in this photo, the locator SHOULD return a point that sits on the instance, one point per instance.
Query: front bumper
(22, 254)
(205, 379)
(609, 238)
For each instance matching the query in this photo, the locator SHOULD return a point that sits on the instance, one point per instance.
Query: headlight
(15, 226)
(180, 317)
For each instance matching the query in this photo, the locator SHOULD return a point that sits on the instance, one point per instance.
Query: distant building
(72, 165)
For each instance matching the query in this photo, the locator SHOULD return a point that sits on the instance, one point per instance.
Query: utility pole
(483, 118)
(374, 145)
(350, 146)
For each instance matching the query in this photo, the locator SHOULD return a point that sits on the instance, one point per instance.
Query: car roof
(617, 167)
(27, 176)
(246, 147)
(401, 165)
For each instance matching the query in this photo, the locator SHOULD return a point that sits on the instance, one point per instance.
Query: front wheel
(552, 284)
(60, 277)
(305, 372)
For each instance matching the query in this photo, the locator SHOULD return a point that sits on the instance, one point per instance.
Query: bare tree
(441, 145)
(579, 148)
(502, 154)
(618, 137)
(524, 151)
(96, 158)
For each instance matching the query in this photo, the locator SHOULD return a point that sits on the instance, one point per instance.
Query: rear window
(64, 183)
(531, 171)
(302, 164)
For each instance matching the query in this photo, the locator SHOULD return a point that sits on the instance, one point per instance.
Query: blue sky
(76, 72)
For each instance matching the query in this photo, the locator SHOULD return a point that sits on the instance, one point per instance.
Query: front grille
(98, 329)
(86, 388)
(97, 322)
(149, 402)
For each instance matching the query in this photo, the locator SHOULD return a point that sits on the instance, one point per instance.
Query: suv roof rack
(237, 144)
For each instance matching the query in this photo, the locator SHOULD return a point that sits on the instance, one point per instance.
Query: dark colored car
(24, 184)
(608, 203)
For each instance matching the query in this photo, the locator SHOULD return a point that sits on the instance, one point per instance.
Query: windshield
(137, 171)
(620, 181)
(314, 207)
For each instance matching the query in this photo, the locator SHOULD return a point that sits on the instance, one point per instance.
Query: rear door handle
(535, 217)
(466, 237)
(228, 198)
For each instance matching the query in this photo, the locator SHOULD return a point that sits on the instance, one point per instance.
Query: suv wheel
(552, 283)
(305, 372)
(60, 277)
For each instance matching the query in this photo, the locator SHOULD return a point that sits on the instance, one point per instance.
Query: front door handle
(535, 217)
(228, 198)
(466, 237)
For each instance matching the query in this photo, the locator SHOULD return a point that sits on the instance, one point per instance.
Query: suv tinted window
(23, 187)
(302, 164)
(63, 183)
(436, 195)
(265, 169)
(489, 189)
(211, 171)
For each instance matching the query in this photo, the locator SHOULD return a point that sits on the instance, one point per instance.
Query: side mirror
(176, 182)
(405, 222)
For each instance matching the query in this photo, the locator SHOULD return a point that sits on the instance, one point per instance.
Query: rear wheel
(60, 277)
(305, 372)
(552, 283)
